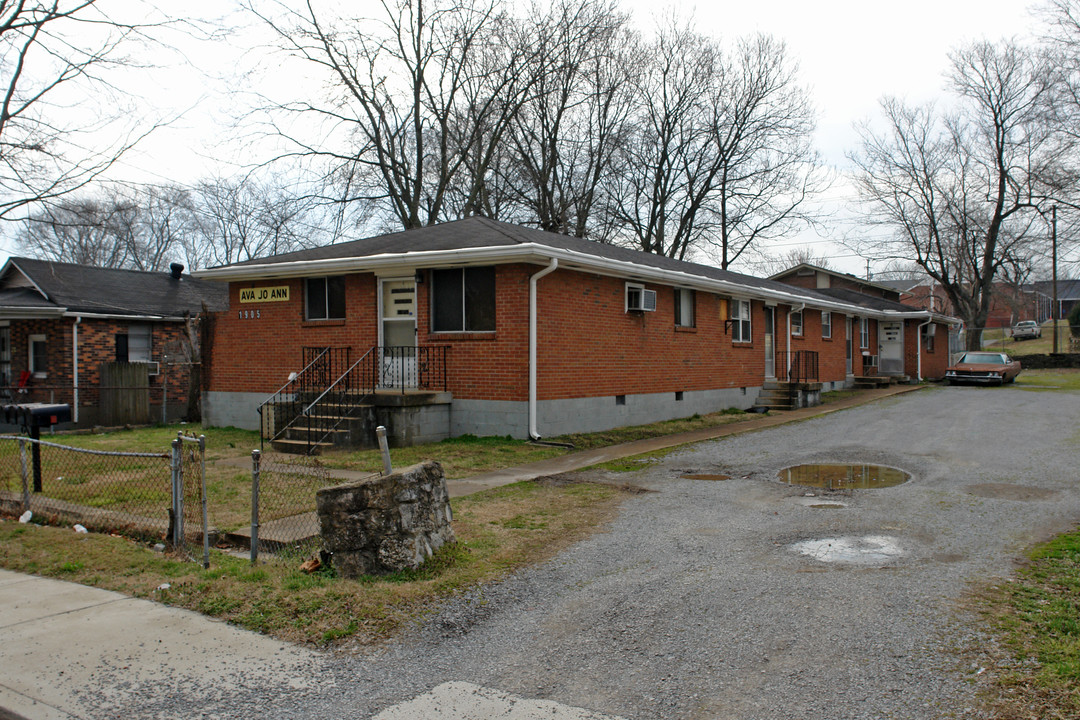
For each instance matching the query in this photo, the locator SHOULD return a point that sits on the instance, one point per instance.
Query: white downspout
(533, 433)
(792, 311)
(918, 349)
(75, 368)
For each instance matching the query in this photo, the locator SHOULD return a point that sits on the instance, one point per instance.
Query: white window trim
(824, 325)
(30, 340)
(693, 308)
(737, 318)
(864, 333)
(797, 330)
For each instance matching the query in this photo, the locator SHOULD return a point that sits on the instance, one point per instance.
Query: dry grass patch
(498, 531)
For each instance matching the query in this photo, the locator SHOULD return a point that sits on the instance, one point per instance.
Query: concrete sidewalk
(68, 648)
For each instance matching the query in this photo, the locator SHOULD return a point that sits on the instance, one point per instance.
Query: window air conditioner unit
(153, 368)
(870, 360)
(638, 298)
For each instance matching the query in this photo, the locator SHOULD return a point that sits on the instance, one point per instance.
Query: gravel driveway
(697, 604)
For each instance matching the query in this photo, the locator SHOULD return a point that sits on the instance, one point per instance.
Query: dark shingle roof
(855, 297)
(479, 232)
(108, 291)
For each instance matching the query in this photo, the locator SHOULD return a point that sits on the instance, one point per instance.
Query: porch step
(299, 447)
(777, 397)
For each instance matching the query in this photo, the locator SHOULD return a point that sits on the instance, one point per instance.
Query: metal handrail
(306, 411)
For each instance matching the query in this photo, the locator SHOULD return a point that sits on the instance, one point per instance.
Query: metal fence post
(178, 494)
(256, 457)
(25, 475)
(381, 432)
(205, 526)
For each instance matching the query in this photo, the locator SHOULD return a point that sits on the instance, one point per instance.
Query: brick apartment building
(524, 332)
(61, 324)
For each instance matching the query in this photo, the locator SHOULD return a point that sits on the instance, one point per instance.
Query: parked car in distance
(1026, 329)
(984, 368)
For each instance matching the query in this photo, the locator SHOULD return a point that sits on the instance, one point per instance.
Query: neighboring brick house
(60, 322)
(535, 333)
(892, 340)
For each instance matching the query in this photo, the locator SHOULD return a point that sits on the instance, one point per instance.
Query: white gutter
(792, 310)
(75, 368)
(918, 348)
(121, 316)
(533, 433)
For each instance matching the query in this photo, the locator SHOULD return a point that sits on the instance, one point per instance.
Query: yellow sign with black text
(264, 294)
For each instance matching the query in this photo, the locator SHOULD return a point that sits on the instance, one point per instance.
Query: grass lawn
(498, 530)
(1052, 380)
(1036, 618)
(998, 339)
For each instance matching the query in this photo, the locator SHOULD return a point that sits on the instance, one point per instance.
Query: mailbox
(33, 417)
(39, 415)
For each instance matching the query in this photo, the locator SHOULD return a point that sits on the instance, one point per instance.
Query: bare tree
(762, 134)
(771, 264)
(242, 218)
(564, 138)
(671, 169)
(413, 96)
(958, 191)
(84, 230)
(55, 58)
(722, 158)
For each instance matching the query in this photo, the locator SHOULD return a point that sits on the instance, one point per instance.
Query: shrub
(1074, 320)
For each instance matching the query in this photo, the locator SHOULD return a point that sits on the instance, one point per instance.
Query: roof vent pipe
(176, 270)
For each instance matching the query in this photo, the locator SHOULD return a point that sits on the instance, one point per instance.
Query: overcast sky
(851, 53)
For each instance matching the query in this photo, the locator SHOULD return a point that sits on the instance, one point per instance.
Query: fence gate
(125, 393)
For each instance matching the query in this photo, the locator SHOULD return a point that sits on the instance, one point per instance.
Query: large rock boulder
(385, 524)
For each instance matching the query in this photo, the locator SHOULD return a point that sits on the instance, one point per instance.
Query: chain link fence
(146, 496)
(283, 515)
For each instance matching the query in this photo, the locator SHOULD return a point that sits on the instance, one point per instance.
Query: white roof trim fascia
(31, 313)
(541, 254)
(114, 316)
(12, 264)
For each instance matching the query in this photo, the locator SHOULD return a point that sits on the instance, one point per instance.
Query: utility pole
(1053, 272)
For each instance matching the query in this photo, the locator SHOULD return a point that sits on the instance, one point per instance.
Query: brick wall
(589, 346)
(97, 344)
(934, 362)
(255, 346)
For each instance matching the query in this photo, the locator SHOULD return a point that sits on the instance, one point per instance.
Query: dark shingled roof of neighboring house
(107, 291)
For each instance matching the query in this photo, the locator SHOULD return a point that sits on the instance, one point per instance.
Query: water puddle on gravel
(865, 550)
(705, 476)
(837, 476)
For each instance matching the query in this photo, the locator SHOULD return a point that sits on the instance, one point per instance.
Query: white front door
(397, 333)
(849, 338)
(770, 350)
(891, 348)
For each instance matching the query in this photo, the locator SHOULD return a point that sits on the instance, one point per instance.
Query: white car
(1026, 330)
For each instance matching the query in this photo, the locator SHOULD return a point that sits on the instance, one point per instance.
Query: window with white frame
(134, 345)
(826, 325)
(324, 298)
(796, 323)
(684, 307)
(864, 332)
(38, 360)
(740, 321)
(928, 337)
